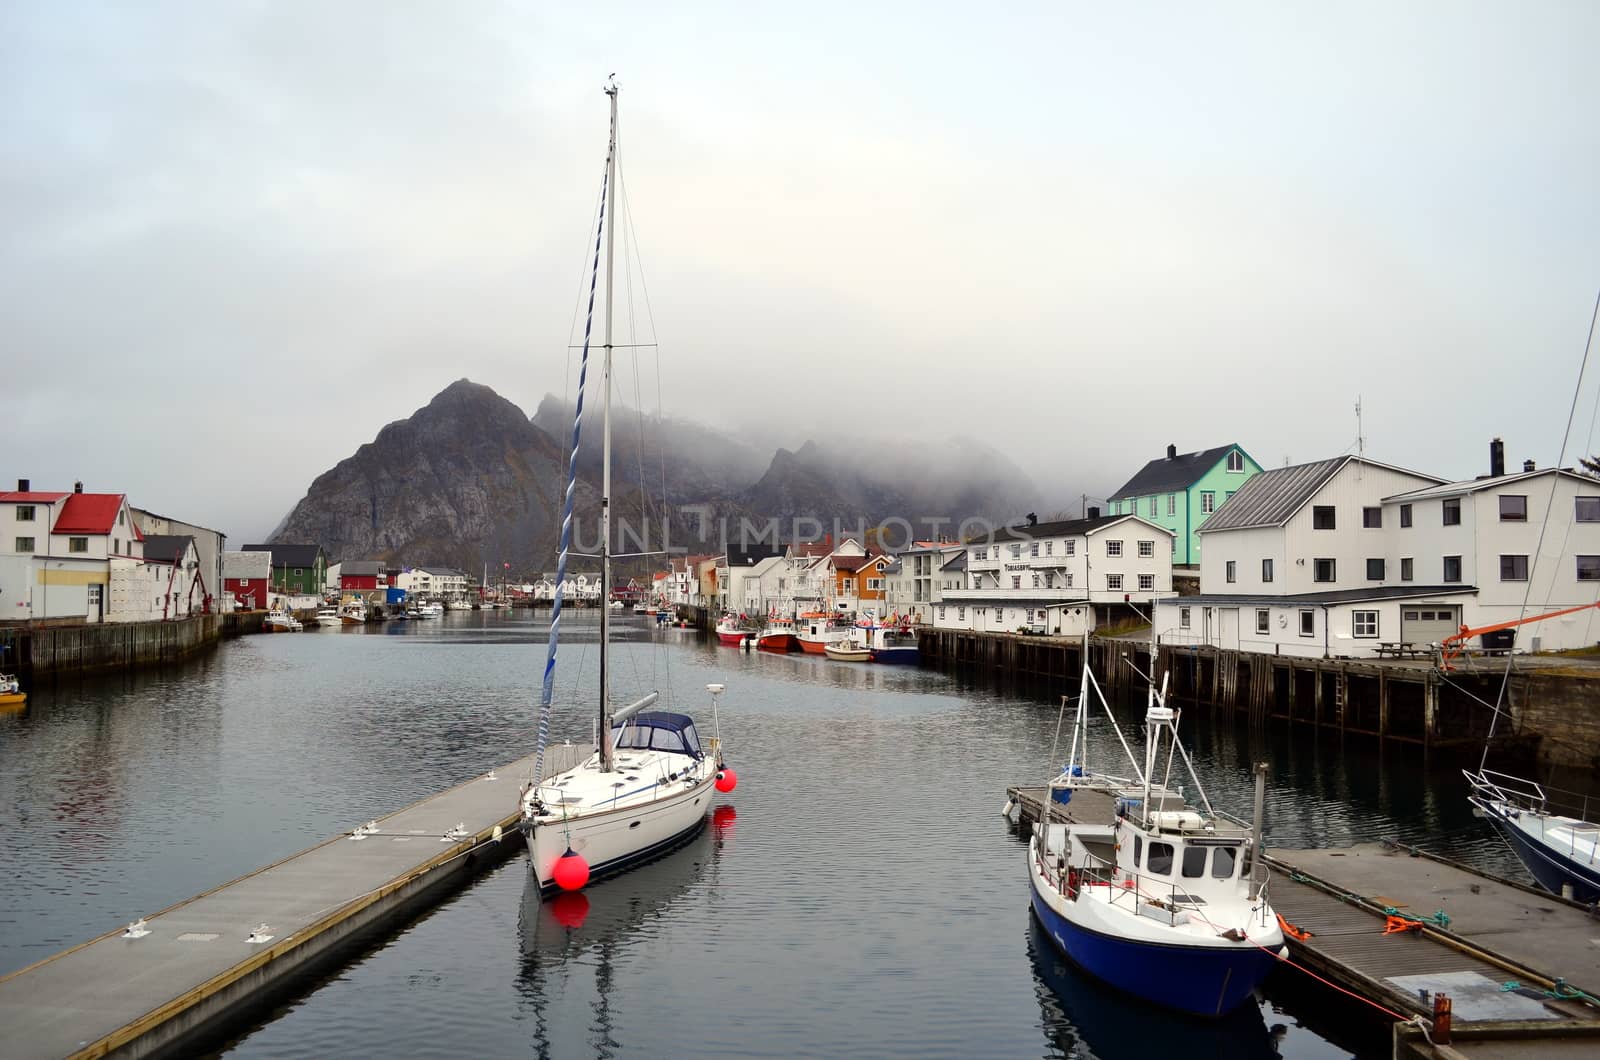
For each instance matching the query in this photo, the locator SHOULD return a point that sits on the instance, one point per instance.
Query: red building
(359, 575)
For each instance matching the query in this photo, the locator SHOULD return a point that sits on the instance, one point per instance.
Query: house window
(874, 585)
(1322, 517)
(1049, 547)
(1033, 549)
(1071, 546)
(1263, 620)
(1172, 504)
(1372, 518)
(77, 544)
(1113, 548)
(1147, 549)
(1405, 568)
(1153, 512)
(1266, 570)
(1036, 581)
(1147, 582)
(1451, 511)
(1016, 581)
(25, 512)
(1235, 461)
(1324, 570)
(1374, 570)
(1584, 509)
(1405, 515)
(1308, 622)
(1183, 618)
(1230, 571)
(982, 553)
(961, 614)
(1513, 568)
(1114, 582)
(1069, 580)
(999, 615)
(1589, 568)
(1208, 501)
(941, 613)
(1363, 623)
(24, 544)
(1016, 550)
(299, 572)
(1452, 568)
(1513, 508)
(122, 518)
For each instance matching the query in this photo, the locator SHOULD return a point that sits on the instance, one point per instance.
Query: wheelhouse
(658, 730)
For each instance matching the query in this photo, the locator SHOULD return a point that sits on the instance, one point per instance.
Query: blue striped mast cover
(548, 692)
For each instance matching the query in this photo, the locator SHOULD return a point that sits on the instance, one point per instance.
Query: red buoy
(571, 871)
(727, 780)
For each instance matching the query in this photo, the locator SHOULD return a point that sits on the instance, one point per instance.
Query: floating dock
(159, 985)
(1515, 961)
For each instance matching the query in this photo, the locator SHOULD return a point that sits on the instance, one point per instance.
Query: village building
(169, 583)
(919, 580)
(246, 578)
(1181, 491)
(209, 544)
(58, 551)
(296, 569)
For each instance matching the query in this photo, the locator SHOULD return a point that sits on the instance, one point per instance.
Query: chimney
(1497, 458)
(22, 485)
(77, 487)
(1172, 452)
(1529, 465)
(1094, 511)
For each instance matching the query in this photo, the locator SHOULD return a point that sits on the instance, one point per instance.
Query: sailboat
(651, 780)
(1155, 898)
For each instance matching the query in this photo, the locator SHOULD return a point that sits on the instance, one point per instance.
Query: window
(1374, 570)
(1113, 581)
(1153, 512)
(1016, 550)
(1208, 501)
(941, 612)
(1194, 862)
(1452, 568)
(1323, 570)
(77, 544)
(122, 518)
(1113, 548)
(1513, 508)
(1222, 862)
(1147, 549)
(1069, 580)
(982, 553)
(1229, 571)
(1036, 583)
(1138, 848)
(1266, 570)
(24, 544)
(1513, 568)
(1322, 517)
(999, 615)
(299, 572)
(1049, 547)
(25, 512)
(961, 614)
(1584, 509)
(1589, 568)
(1160, 863)
(1147, 582)
(1363, 623)
(1372, 518)
(1183, 618)
(1235, 461)
(1451, 511)
(1070, 546)
(1172, 503)
(1308, 622)
(1016, 581)
(874, 585)
(1405, 515)
(1033, 549)
(1405, 569)
(1263, 620)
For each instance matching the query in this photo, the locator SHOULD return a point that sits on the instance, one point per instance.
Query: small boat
(457, 604)
(430, 609)
(327, 616)
(1562, 852)
(12, 697)
(1155, 899)
(895, 645)
(615, 605)
(850, 650)
(778, 635)
(280, 621)
(731, 630)
(353, 613)
(818, 629)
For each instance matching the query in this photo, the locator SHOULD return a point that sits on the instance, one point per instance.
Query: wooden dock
(203, 959)
(1492, 933)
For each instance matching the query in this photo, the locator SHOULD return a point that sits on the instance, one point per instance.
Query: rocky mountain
(469, 480)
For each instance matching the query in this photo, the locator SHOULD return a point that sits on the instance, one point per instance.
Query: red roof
(850, 563)
(91, 513)
(30, 497)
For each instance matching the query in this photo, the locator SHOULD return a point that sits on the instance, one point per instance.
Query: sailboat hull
(614, 841)
(1548, 864)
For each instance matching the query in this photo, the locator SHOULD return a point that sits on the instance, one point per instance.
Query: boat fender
(1072, 883)
(1005, 811)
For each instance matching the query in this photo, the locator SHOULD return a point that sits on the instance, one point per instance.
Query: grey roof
(1332, 596)
(957, 562)
(163, 548)
(1487, 482)
(1272, 497)
(1060, 528)
(356, 568)
(749, 553)
(289, 555)
(1170, 474)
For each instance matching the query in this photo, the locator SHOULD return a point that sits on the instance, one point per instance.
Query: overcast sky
(241, 237)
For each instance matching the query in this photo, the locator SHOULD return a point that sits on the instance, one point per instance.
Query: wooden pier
(204, 959)
(1515, 961)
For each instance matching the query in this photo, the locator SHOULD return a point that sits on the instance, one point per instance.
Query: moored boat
(1562, 852)
(731, 630)
(850, 650)
(778, 635)
(353, 612)
(327, 616)
(11, 694)
(281, 621)
(818, 629)
(895, 645)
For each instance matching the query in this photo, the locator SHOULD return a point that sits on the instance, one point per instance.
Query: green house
(1180, 491)
(296, 568)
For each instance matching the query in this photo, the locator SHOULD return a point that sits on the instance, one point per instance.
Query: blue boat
(1562, 853)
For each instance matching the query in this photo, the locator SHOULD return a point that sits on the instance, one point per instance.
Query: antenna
(1361, 441)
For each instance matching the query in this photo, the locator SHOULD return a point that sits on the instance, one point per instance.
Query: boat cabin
(658, 730)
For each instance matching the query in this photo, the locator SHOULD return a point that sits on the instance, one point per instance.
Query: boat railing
(1518, 792)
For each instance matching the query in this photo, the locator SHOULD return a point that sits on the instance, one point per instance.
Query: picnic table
(1400, 649)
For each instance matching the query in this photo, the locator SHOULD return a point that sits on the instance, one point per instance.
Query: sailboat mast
(605, 451)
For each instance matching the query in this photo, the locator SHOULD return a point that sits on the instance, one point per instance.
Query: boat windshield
(657, 730)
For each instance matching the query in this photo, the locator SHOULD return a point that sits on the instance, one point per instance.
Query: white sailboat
(652, 779)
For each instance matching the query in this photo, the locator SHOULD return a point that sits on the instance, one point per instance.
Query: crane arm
(1452, 644)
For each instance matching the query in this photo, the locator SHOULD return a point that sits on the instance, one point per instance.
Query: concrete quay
(204, 959)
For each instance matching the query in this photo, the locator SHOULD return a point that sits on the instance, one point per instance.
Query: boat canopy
(659, 730)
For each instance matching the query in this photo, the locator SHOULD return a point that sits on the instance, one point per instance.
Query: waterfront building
(169, 583)
(297, 569)
(58, 550)
(246, 577)
(330, 580)
(920, 580)
(1063, 577)
(209, 544)
(1182, 490)
(432, 582)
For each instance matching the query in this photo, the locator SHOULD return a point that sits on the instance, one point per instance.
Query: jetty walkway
(159, 984)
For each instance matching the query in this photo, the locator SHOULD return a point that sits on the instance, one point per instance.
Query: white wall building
(209, 544)
(57, 550)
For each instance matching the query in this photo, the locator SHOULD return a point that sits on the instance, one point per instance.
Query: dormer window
(1235, 461)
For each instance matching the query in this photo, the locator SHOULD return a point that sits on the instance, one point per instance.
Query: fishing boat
(849, 650)
(732, 631)
(895, 644)
(353, 612)
(1561, 851)
(778, 635)
(818, 629)
(11, 694)
(281, 621)
(1153, 897)
(327, 616)
(651, 780)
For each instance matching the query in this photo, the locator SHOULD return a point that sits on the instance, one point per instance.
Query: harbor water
(858, 894)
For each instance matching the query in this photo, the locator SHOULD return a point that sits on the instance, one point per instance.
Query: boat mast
(605, 449)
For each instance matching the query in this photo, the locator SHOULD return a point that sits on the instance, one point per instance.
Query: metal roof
(1476, 485)
(1170, 474)
(1060, 528)
(299, 556)
(1272, 497)
(164, 548)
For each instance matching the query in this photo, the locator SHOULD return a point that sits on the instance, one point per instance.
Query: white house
(921, 579)
(432, 583)
(169, 583)
(57, 551)
(209, 544)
